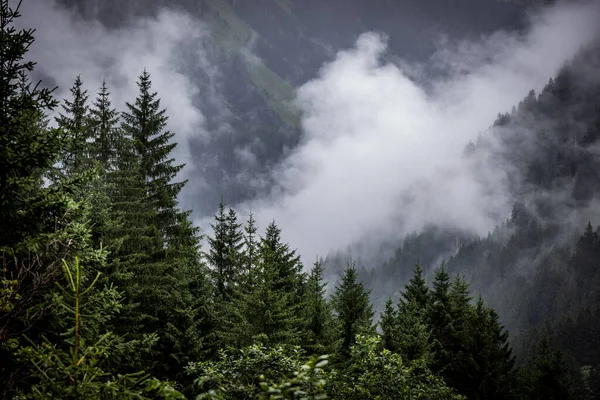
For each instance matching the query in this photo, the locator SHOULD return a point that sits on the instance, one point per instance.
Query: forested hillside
(108, 290)
(540, 268)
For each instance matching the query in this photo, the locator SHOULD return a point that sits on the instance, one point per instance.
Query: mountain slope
(540, 269)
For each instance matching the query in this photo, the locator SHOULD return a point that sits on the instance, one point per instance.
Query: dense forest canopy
(108, 288)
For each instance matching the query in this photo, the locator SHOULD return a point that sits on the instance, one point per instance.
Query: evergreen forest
(108, 290)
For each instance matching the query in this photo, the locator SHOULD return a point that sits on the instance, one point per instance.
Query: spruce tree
(440, 320)
(83, 360)
(218, 255)
(38, 218)
(102, 153)
(156, 264)
(103, 122)
(233, 327)
(271, 313)
(27, 147)
(225, 259)
(485, 370)
(405, 328)
(74, 123)
(235, 244)
(285, 262)
(389, 326)
(458, 340)
(272, 303)
(319, 318)
(145, 122)
(225, 254)
(547, 376)
(353, 309)
(250, 252)
(413, 334)
(416, 290)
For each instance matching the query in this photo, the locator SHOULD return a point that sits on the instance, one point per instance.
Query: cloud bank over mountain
(381, 152)
(382, 140)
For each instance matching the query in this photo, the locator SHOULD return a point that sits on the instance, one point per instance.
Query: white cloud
(381, 153)
(381, 149)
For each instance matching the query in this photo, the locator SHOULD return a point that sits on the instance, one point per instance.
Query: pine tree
(74, 122)
(103, 122)
(486, 370)
(285, 262)
(272, 303)
(353, 309)
(389, 326)
(157, 260)
(416, 290)
(218, 255)
(440, 319)
(547, 376)
(38, 219)
(250, 252)
(318, 312)
(80, 361)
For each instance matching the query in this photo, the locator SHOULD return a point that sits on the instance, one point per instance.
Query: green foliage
(406, 329)
(250, 253)
(157, 261)
(76, 367)
(377, 373)
(225, 253)
(307, 383)
(103, 120)
(248, 372)
(109, 194)
(440, 319)
(416, 291)
(271, 301)
(74, 125)
(547, 375)
(353, 309)
(319, 332)
(483, 367)
(226, 261)
(34, 218)
(464, 344)
(8, 295)
(387, 323)
(408, 333)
